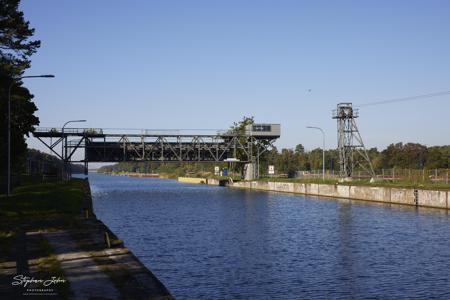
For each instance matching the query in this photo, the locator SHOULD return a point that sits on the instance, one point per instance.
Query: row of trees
(16, 48)
(41, 163)
(402, 156)
(288, 161)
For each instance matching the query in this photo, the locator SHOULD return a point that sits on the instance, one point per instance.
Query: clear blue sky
(205, 64)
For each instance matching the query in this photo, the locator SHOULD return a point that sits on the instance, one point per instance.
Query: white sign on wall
(271, 170)
(216, 170)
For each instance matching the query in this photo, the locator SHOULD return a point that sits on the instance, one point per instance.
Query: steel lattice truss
(102, 147)
(351, 147)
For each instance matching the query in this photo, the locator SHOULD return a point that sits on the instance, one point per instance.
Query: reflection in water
(345, 243)
(213, 242)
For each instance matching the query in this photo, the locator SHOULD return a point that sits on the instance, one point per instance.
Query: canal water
(207, 242)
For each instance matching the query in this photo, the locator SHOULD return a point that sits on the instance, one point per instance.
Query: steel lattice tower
(350, 144)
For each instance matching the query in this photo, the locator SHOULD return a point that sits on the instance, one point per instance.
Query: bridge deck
(47, 132)
(148, 145)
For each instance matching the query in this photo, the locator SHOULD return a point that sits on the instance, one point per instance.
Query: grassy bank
(38, 207)
(37, 204)
(384, 183)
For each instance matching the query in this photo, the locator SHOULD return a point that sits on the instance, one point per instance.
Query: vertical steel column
(162, 149)
(86, 170)
(181, 149)
(217, 150)
(143, 147)
(124, 148)
(198, 149)
(257, 162)
(66, 169)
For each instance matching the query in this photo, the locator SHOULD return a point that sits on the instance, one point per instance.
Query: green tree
(299, 149)
(315, 159)
(269, 158)
(392, 155)
(408, 155)
(332, 159)
(377, 159)
(237, 129)
(286, 162)
(415, 155)
(438, 157)
(16, 47)
(301, 158)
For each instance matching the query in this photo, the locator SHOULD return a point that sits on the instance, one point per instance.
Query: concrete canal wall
(114, 272)
(210, 181)
(192, 180)
(407, 196)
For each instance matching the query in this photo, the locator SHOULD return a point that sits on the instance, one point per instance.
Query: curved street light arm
(323, 148)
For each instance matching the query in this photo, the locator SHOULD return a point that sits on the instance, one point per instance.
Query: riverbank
(50, 234)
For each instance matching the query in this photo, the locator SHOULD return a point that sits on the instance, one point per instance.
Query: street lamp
(323, 149)
(62, 135)
(8, 191)
(64, 156)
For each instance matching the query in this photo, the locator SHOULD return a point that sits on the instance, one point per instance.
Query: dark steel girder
(161, 148)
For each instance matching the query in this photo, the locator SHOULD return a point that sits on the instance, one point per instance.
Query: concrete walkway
(87, 279)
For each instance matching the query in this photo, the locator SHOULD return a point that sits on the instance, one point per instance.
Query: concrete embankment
(111, 259)
(192, 180)
(407, 196)
(210, 181)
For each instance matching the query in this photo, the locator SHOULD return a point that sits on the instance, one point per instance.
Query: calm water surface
(208, 242)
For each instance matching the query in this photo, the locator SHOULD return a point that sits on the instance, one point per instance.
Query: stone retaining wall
(407, 196)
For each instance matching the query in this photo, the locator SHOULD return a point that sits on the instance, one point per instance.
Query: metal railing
(394, 174)
(68, 130)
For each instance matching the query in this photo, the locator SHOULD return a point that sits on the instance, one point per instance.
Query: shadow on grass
(35, 207)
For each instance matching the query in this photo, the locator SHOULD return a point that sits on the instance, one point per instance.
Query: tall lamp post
(323, 149)
(64, 153)
(14, 81)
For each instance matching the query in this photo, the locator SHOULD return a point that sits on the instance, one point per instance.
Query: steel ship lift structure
(148, 145)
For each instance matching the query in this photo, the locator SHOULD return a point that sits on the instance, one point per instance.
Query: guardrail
(69, 130)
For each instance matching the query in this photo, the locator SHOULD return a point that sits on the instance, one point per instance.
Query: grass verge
(384, 183)
(35, 207)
